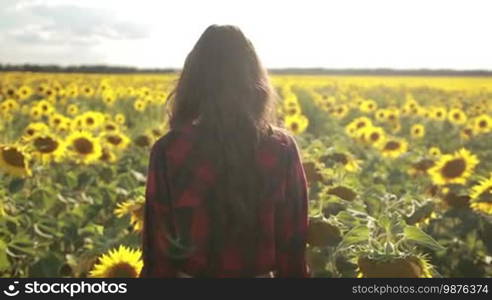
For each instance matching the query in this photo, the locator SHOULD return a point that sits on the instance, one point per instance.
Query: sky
(413, 34)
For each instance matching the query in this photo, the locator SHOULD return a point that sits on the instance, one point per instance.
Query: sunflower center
(341, 158)
(30, 131)
(392, 145)
(374, 136)
(114, 139)
(83, 146)
(90, 121)
(142, 141)
(156, 132)
(360, 125)
(482, 124)
(454, 168)
(122, 270)
(106, 156)
(13, 157)
(45, 144)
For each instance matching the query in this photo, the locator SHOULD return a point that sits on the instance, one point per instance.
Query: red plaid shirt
(283, 215)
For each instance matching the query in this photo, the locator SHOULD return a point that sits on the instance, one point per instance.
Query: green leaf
(355, 235)
(4, 261)
(414, 234)
(47, 266)
(84, 179)
(16, 185)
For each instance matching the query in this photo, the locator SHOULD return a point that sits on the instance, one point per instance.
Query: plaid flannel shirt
(175, 193)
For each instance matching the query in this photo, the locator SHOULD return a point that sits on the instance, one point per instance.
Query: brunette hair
(225, 90)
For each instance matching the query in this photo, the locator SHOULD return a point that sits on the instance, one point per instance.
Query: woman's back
(179, 225)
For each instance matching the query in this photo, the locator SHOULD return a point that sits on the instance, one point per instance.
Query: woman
(226, 192)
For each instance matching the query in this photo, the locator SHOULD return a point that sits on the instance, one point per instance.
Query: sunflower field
(399, 172)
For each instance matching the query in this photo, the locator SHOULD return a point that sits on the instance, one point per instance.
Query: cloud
(33, 31)
(72, 24)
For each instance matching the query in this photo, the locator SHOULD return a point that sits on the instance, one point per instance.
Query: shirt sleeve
(157, 220)
(292, 219)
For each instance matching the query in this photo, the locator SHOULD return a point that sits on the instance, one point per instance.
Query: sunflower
(118, 263)
(120, 119)
(72, 109)
(140, 105)
(3, 213)
(56, 120)
(45, 107)
(157, 133)
(116, 140)
(111, 126)
(454, 168)
(345, 159)
(296, 124)
(481, 196)
(9, 105)
(84, 147)
(361, 123)
(109, 98)
(107, 155)
(483, 189)
(438, 113)
(381, 115)
(467, 132)
(457, 116)
(401, 267)
(35, 113)
(368, 106)
(340, 111)
(92, 120)
(373, 135)
(394, 147)
(64, 126)
(14, 160)
(393, 115)
(87, 91)
(483, 124)
(143, 140)
(33, 129)
(421, 167)
(134, 208)
(417, 131)
(24, 92)
(395, 126)
(47, 148)
(292, 109)
(434, 151)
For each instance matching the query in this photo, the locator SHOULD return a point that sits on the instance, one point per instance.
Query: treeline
(294, 71)
(80, 69)
(384, 72)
